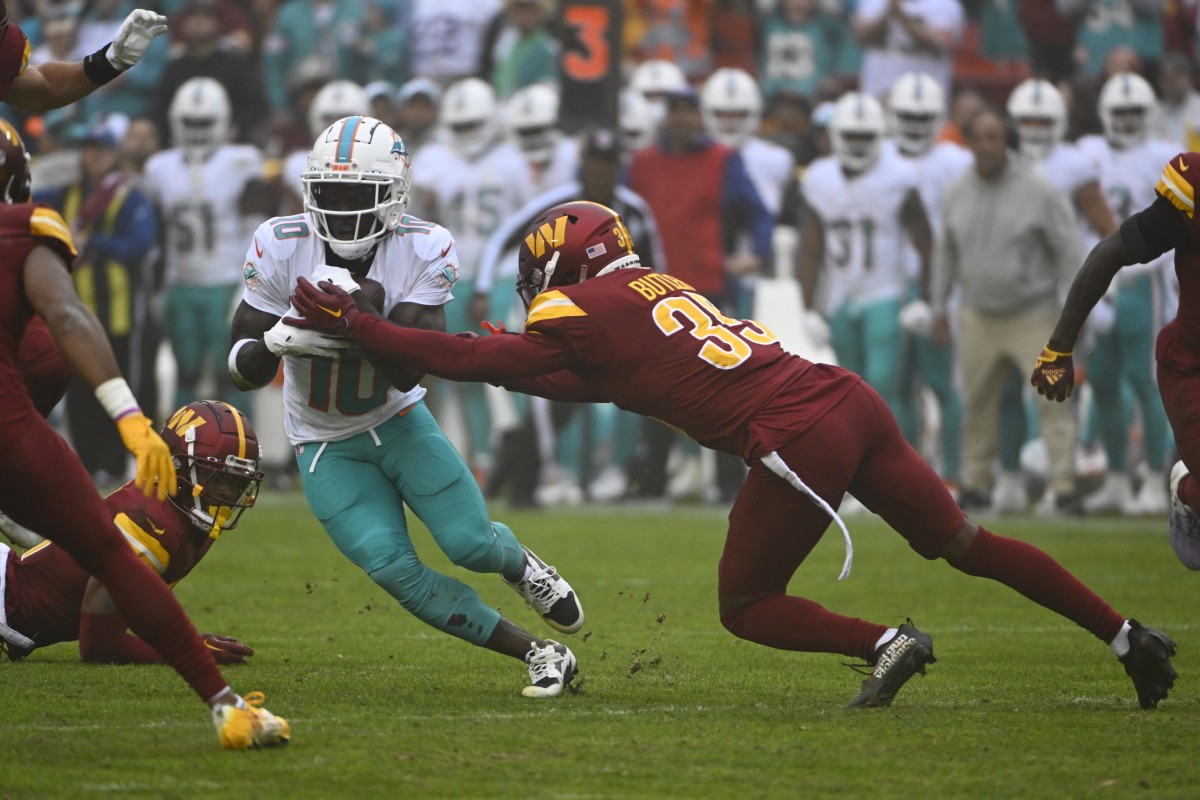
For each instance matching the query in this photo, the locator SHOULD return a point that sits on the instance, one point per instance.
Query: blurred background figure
(531, 118)
(805, 47)
(468, 184)
(447, 37)
(381, 102)
(115, 230)
(417, 103)
(1178, 120)
(899, 36)
(635, 119)
(653, 80)
(519, 47)
(208, 192)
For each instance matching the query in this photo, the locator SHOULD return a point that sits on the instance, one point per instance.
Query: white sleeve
(266, 285)
(440, 257)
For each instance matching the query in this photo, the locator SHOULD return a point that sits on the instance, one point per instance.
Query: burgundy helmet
(570, 243)
(216, 455)
(14, 165)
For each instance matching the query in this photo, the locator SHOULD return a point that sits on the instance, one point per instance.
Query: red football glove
(1054, 374)
(329, 309)
(226, 649)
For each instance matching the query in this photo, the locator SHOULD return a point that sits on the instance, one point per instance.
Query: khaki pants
(988, 345)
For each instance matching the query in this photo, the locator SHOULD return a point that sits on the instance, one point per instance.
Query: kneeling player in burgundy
(603, 328)
(48, 598)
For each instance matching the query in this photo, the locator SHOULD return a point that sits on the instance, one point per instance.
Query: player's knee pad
(438, 600)
(491, 549)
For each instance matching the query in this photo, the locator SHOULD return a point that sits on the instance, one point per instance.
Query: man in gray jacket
(1009, 239)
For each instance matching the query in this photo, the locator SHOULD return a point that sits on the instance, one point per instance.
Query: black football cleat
(1148, 663)
(897, 660)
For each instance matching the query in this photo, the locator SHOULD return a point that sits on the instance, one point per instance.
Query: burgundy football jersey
(22, 227)
(1178, 185)
(45, 587)
(651, 344)
(14, 52)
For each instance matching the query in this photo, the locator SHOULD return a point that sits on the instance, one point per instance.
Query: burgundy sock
(1033, 573)
(154, 614)
(793, 623)
(1189, 492)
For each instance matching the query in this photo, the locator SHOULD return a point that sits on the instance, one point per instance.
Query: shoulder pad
(46, 223)
(1176, 182)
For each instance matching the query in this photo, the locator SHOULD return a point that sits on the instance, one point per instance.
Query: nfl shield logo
(596, 250)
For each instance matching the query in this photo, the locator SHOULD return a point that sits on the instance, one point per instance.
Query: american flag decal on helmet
(596, 250)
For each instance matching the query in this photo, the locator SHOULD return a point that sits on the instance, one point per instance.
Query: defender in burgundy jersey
(48, 598)
(602, 328)
(1169, 223)
(43, 485)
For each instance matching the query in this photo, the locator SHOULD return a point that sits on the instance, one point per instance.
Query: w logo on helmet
(185, 418)
(547, 236)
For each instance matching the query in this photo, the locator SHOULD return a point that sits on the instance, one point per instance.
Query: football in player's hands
(373, 292)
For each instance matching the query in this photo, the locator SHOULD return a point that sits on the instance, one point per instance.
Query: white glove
(338, 276)
(817, 327)
(284, 340)
(137, 31)
(917, 318)
(1103, 316)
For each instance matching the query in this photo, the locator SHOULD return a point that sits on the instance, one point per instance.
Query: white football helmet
(356, 184)
(333, 101)
(634, 121)
(856, 131)
(468, 113)
(531, 115)
(653, 79)
(1037, 108)
(731, 105)
(916, 111)
(1127, 105)
(199, 116)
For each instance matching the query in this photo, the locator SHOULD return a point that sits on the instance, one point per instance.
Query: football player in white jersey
(635, 121)
(1039, 113)
(653, 79)
(916, 112)
(333, 101)
(1122, 358)
(861, 208)
(366, 445)
(731, 105)
(531, 118)
(207, 190)
(469, 183)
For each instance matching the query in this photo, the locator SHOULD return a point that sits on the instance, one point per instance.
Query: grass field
(1020, 704)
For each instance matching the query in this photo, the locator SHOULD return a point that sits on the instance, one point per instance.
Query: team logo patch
(596, 250)
(1053, 376)
(250, 275)
(447, 276)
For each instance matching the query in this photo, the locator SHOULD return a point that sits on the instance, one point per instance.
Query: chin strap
(549, 272)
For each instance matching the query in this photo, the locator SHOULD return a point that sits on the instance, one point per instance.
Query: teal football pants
(198, 323)
(868, 340)
(358, 489)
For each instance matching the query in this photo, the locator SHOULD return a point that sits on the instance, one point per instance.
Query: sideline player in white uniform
(917, 110)
(531, 118)
(1122, 358)
(333, 101)
(469, 184)
(206, 189)
(861, 208)
(366, 445)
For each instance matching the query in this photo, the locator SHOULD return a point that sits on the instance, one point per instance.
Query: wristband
(240, 380)
(117, 398)
(98, 68)
(1046, 348)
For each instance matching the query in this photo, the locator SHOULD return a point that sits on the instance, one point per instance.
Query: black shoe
(897, 660)
(1148, 663)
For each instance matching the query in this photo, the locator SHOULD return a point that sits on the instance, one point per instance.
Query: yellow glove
(155, 470)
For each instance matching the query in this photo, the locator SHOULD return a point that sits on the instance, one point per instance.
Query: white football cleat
(551, 668)
(1152, 499)
(1009, 495)
(241, 728)
(1115, 495)
(548, 594)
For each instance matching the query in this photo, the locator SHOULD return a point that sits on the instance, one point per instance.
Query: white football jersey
(770, 167)
(864, 238)
(199, 203)
(937, 168)
(472, 198)
(293, 167)
(331, 399)
(1128, 178)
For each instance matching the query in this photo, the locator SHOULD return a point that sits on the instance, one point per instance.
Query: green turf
(1020, 704)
